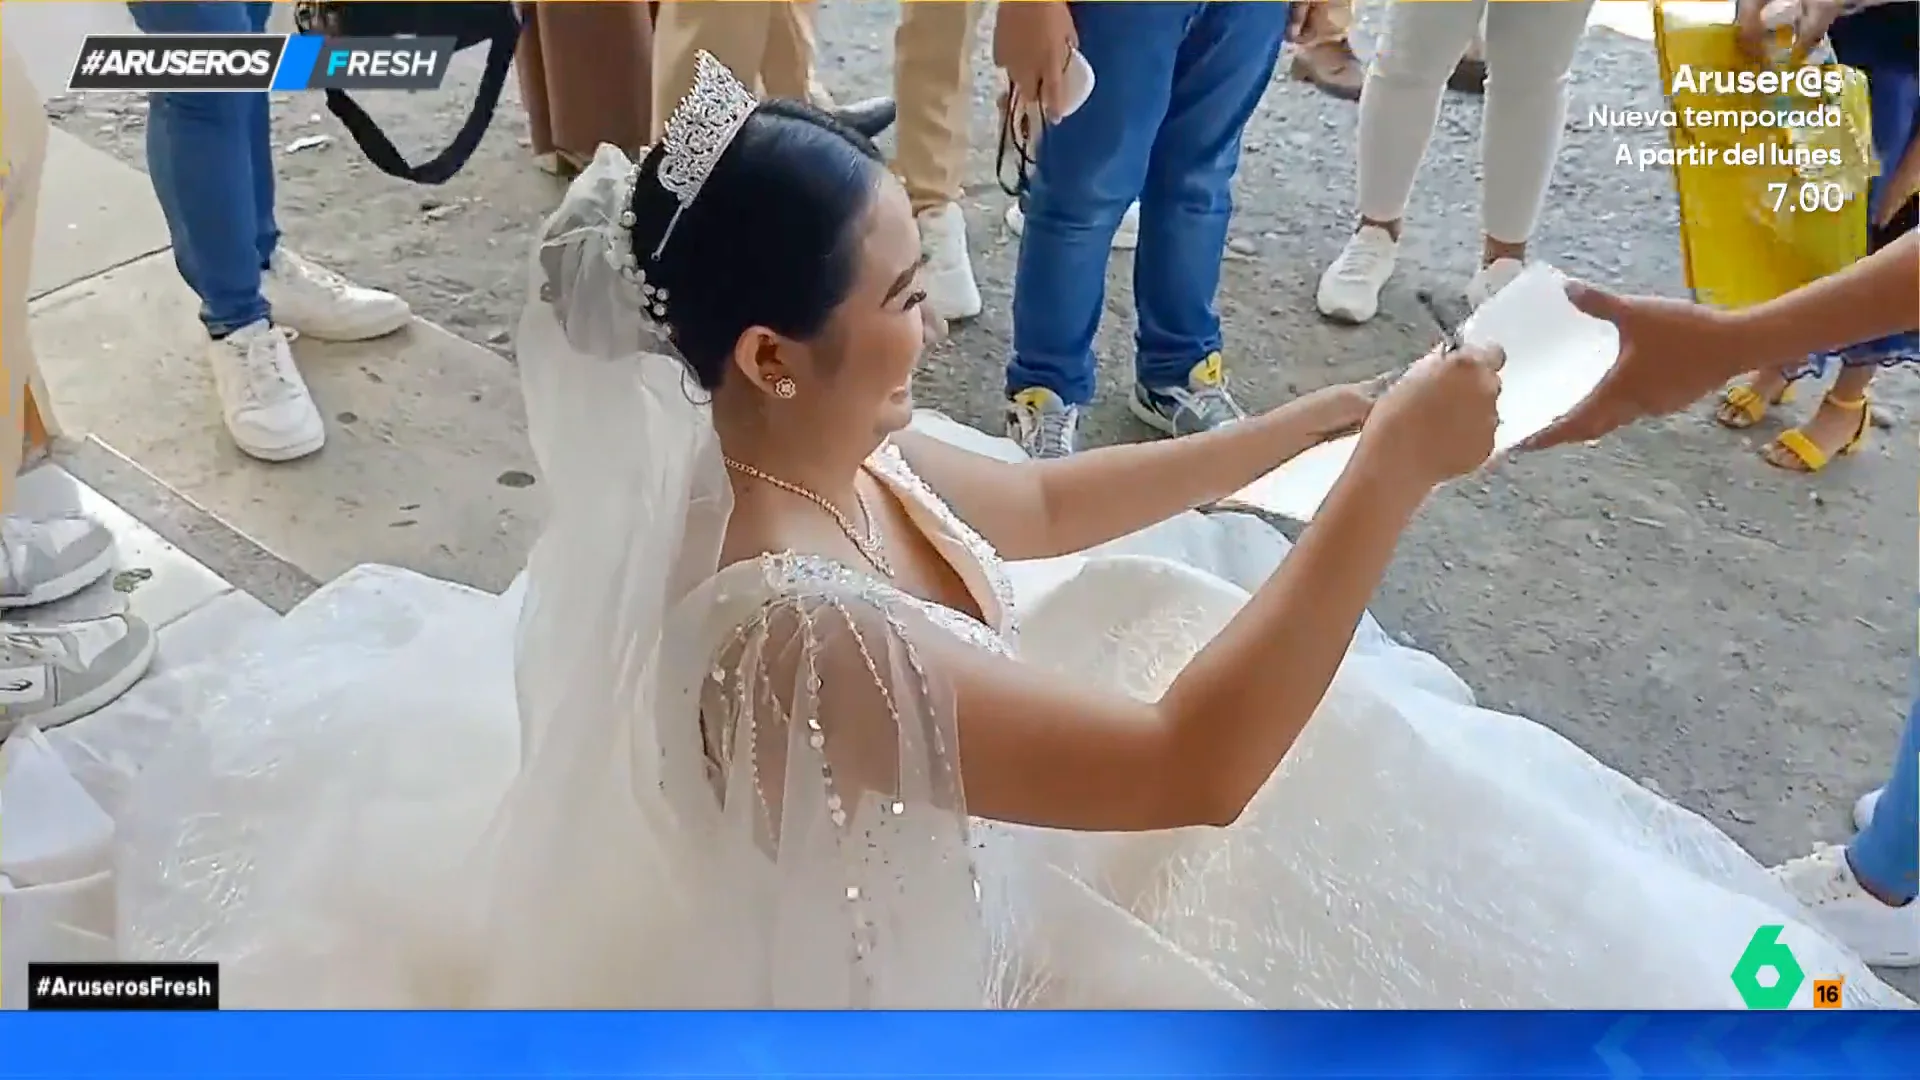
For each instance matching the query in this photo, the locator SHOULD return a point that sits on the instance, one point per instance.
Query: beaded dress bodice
(822, 655)
(972, 557)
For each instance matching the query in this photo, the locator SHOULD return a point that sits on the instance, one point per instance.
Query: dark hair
(772, 240)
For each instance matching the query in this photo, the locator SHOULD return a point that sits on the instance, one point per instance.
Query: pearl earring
(784, 387)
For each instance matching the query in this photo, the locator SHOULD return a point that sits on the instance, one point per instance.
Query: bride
(770, 723)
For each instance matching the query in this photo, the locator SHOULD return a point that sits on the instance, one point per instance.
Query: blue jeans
(211, 159)
(1886, 851)
(1880, 44)
(1174, 84)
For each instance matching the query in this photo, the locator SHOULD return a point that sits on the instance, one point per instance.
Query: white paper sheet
(1556, 355)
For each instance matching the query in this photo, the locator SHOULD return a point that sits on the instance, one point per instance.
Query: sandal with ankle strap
(1749, 406)
(1806, 454)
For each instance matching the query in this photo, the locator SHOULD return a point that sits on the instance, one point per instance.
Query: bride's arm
(1039, 509)
(1040, 749)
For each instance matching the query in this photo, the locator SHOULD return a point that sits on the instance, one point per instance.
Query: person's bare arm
(1040, 509)
(1040, 749)
(1877, 296)
(1673, 353)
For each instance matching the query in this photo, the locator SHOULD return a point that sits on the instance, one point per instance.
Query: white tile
(151, 578)
(45, 491)
(210, 630)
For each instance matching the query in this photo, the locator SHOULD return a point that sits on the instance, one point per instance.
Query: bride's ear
(761, 357)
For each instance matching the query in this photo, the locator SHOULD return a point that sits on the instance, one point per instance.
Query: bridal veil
(644, 816)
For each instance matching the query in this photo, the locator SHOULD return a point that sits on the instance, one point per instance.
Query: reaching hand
(1333, 412)
(1748, 18)
(1810, 25)
(1438, 420)
(1810, 19)
(1033, 41)
(1672, 354)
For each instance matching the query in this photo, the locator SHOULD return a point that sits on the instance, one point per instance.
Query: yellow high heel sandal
(1741, 407)
(1794, 451)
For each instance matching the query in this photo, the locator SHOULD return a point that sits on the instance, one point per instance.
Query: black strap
(505, 41)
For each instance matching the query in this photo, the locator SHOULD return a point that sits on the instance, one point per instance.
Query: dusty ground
(1737, 637)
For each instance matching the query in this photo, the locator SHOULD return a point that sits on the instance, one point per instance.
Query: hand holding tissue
(1555, 355)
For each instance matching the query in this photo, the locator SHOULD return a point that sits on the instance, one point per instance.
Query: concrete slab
(427, 464)
(96, 213)
(151, 578)
(220, 547)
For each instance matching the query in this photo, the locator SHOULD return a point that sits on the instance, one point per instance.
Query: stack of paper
(1556, 355)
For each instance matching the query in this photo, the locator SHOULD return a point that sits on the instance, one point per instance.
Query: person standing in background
(767, 44)
(1532, 45)
(211, 160)
(1882, 42)
(1174, 86)
(773, 43)
(933, 82)
(1323, 52)
(586, 77)
(51, 673)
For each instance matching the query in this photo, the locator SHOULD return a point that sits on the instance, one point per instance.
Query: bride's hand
(1334, 412)
(1437, 422)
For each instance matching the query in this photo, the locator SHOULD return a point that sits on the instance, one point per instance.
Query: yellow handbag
(1774, 219)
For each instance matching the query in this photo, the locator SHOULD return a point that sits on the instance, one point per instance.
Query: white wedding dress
(619, 785)
(1413, 851)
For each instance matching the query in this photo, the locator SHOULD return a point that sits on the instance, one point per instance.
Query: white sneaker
(1863, 808)
(318, 302)
(53, 675)
(263, 399)
(1492, 277)
(1880, 934)
(952, 292)
(1043, 425)
(1125, 238)
(48, 559)
(1350, 289)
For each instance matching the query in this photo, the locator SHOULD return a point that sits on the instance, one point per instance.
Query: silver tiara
(698, 133)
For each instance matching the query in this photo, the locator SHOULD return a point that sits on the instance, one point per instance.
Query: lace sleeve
(832, 746)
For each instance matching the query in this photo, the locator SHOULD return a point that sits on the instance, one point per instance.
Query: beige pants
(23, 140)
(1325, 22)
(1329, 21)
(771, 44)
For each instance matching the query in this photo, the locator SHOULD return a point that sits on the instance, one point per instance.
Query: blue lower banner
(953, 1045)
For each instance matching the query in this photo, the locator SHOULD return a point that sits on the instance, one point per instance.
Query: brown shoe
(1469, 76)
(1331, 67)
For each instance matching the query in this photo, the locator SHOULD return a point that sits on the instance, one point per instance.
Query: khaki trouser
(1329, 21)
(1325, 22)
(23, 131)
(771, 45)
(767, 43)
(933, 83)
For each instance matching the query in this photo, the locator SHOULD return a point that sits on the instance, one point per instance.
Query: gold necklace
(868, 545)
